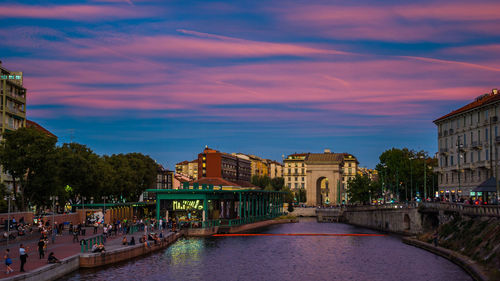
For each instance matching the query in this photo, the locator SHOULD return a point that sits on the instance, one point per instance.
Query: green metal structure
(240, 206)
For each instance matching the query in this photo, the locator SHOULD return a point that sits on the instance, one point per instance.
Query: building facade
(215, 164)
(294, 170)
(350, 171)
(164, 178)
(275, 169)
(188, 168)
(12, 108)
(467, 144)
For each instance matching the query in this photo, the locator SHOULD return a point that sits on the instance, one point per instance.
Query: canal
(286, 258)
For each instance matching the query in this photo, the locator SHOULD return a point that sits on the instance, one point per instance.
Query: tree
(401, 172)
(261, 181)
(278, 183)
(362, 189)
(133, 174)
(80, 168)
(28, 155)
(301, 196)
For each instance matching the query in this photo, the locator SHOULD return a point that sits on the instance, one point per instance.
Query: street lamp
(104, 208)
(54, 199)
(411, 177)
(8, 198)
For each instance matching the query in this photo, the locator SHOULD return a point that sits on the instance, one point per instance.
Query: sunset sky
(166, 78)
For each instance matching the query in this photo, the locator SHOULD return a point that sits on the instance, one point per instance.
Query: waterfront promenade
(63, 247)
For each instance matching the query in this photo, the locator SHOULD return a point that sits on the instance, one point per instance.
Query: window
(302, 170)
(465, 157)
(451, 160)
(302, 164)
(302, 185)
(472, 157)
(487, 155)
(296, 170)
(289, 171)
(486, 134)
(296, 178)
(289, 178)
(479, 156)
(478, 135)
(486, 114)
(296, 185)
(465, 140)
(289, 185)
(350, 164)
(496, 131)
(302, 178)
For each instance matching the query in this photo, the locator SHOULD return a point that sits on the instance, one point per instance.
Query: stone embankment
(475, 237)
(235, 229)
(477, 271)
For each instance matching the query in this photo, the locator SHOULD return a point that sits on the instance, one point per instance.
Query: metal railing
(88, 243)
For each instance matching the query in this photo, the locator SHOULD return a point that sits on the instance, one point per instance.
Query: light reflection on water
(285, 258)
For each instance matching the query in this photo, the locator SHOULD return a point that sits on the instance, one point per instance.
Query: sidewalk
(63, 248)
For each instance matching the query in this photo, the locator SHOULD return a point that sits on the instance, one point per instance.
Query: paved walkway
(63, 247)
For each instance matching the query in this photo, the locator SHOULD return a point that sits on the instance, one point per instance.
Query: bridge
(412, 218)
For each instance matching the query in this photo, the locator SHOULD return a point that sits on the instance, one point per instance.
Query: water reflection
(286, 258)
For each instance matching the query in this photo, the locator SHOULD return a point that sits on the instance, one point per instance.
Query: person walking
(22, 256)
(41, 245)
(8, 261)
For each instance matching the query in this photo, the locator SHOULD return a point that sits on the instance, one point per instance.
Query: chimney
(495, 91)
(327, 151)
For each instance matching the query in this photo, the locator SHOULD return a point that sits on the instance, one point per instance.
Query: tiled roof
(220, 181)
(478, 102)
(182, 163)
(32, 124)
(324, 157)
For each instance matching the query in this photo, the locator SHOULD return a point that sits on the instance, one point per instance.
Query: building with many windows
(188, 168)
(12, 108)
(275, 169)
(294, 170)
(350, 170)
(467, 145)
(215, 164)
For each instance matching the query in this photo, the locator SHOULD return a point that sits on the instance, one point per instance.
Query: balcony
(443, 151)
(466, 166)
(17, 97)
(477, 145)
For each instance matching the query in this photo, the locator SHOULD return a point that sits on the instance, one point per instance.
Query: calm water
(285, 258)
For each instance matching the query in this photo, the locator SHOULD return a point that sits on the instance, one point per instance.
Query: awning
(488, 185)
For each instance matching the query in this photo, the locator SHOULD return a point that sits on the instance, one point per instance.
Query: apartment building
(275, 169)
(188, 168)
(467, 145)
(12, 108)
(215, 164)
(294, 170)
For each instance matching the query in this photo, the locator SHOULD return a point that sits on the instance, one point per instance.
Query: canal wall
(473, 268)
(50, 271)
(91, 260)
(303, 212)
(200, 232)
(397, 219)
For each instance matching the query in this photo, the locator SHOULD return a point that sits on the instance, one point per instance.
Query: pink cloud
(401, 22)
(73, 12)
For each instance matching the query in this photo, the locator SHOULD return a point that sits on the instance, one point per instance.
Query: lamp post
(411, 177)
(8, 198)
(54, 199)
(104, 208)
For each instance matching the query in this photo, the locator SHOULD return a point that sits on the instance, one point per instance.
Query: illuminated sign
(11, 77)
(187, 205)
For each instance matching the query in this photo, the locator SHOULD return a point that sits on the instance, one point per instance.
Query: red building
(215, 164)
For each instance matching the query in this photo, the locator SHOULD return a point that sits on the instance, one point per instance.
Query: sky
(269, 78)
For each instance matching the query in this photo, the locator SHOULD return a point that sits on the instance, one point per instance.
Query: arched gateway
(324, 178)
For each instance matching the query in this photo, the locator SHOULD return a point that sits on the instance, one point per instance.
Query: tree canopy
(44, 170)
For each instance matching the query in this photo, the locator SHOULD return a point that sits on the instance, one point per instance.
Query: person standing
(8, 261)
(22, 256)
(41, 245)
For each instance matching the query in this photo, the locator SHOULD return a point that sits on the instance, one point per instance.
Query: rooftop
(478, 102)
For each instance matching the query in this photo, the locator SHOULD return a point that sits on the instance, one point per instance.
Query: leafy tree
(290, 207)
(278, 183)
(80, 168)
(3, 203)
(401, 172)
(361, 189)
(133, 174)
(27, 155)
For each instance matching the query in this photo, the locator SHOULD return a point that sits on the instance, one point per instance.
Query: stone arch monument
(324, 178)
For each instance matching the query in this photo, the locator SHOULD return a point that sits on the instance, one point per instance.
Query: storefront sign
(187, 205)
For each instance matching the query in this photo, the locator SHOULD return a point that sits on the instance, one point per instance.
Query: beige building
(371, 173)
(467, 145)
(294, 170)
(12, 108)
(350, 170)
(188, 168)
(258, 165)
(275, 169)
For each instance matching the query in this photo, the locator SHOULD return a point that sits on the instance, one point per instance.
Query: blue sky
(270, 78)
